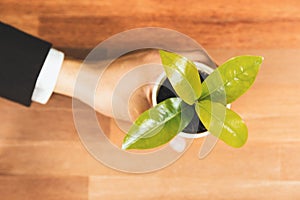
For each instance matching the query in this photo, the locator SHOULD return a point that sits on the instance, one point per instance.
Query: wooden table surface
(41, 156)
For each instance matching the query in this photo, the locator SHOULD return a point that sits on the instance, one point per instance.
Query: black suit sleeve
(21, 59)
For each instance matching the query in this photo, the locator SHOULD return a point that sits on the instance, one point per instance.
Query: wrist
(67, 77)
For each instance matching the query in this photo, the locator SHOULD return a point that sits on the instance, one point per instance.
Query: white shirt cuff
(47, 78)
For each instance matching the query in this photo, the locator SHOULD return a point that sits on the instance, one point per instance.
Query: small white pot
(159, 82)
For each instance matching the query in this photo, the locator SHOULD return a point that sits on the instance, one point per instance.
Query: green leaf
(222, 122)
(183, 75)
(232, 79)
(159, 124)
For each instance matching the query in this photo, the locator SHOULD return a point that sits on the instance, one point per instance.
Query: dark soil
(166, 91)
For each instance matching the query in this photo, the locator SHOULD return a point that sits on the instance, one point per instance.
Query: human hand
(140, 99)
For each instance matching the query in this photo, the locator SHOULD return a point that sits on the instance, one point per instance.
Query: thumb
(140, 101)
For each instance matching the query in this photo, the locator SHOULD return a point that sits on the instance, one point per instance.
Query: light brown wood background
(41, 156)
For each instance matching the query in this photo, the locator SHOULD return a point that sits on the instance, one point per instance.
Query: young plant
(161, 123)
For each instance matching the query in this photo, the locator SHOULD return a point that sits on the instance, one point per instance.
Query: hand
(140, 99)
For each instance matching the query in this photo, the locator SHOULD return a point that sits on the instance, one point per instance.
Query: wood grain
(78, 26)
(41, 156)
(181, 188)
(43, 187)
